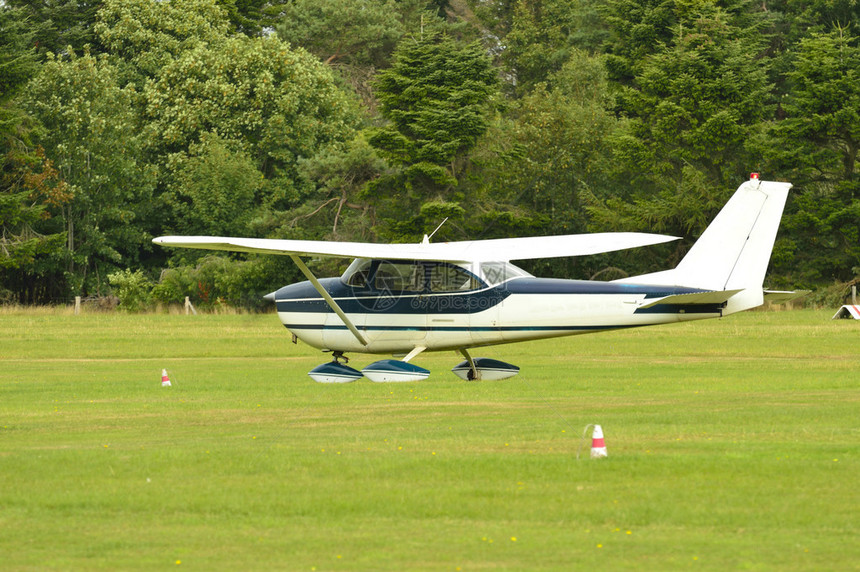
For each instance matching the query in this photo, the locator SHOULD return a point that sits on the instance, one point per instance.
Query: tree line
(375, 120)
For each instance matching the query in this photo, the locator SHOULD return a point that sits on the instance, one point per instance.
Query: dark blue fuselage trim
(303, 297)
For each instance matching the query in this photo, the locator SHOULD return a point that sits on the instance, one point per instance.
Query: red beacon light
(753, 176)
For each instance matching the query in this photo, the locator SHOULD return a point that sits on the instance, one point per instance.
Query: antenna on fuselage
(427, 238)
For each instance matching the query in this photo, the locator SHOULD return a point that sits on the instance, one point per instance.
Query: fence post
(188, 306)
(77, 305)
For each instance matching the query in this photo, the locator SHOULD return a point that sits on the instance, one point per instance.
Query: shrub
(133, 289)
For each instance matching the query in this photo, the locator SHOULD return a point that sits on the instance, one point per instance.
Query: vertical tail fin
(734, 251)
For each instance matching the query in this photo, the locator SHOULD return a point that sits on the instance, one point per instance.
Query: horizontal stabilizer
(500, 249)
(714, 297)
(781, 296)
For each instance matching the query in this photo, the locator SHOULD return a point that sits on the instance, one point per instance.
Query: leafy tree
(694, 107)
(818, 16)
(495, 16)
(554, 148)
(215, 187)
(31, 256)
(145, 35)
(339, 175)
(254, 17)
(353, 32)
(90, 135)
(437, 97)
(639, 28)
(281, 104)
(60, 24)
(817, 146)
(544, 34)
(642, 28)
(29, 183)
(133, 289)
(821, 130)
(214, 280)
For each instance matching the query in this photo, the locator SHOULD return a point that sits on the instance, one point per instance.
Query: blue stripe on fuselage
(303, 297)
(460, 328)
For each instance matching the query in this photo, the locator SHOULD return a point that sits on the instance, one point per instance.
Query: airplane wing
(500, 249)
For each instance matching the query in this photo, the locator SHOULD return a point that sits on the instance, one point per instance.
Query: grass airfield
(733, 444)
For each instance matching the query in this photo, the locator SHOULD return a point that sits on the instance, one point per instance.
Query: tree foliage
(436, 98)
(279, 104)
(354, 32)
(57, 25)
(145, 35)
(90, 133)
(818, 143)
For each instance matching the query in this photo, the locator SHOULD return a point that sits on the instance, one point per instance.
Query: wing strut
(329, 300)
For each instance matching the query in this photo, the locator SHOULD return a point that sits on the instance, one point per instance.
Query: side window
(449, 278)
(494, 272)
(498, 272)
(400, 277)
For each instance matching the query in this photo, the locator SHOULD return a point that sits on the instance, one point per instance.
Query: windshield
(357, 273)
(410, 276)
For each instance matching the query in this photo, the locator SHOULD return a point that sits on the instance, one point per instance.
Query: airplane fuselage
(396, 317)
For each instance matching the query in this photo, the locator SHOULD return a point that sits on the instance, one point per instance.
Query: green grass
(733, 446)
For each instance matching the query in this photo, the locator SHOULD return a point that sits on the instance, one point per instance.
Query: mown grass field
(734, 445)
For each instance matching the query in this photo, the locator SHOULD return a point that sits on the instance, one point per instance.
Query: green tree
(552, 148)
(437, 98)
(821, 130)
(694, 108)
(29, 183)
(639, 28)
(145, 35)
(280, 104)
(544, 34)
(352, 32)
(254, 17)
(60, 24)
(816, 145)
(91, 136)
(215, 187)
(31, 255)
(133, 289)
(339, 176)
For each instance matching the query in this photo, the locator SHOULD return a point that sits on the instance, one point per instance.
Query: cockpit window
(498, 272)
(450, 278)
(410, 276)
(399, 276)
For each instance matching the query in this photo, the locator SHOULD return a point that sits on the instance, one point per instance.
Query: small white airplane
(404, 299)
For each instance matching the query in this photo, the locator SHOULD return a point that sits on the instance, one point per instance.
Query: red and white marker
(598, 446)
(165, 381)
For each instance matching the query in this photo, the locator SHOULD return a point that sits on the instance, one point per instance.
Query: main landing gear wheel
(335, 371)
(486, 369)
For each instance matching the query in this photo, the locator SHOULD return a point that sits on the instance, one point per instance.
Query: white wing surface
(500, 249)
